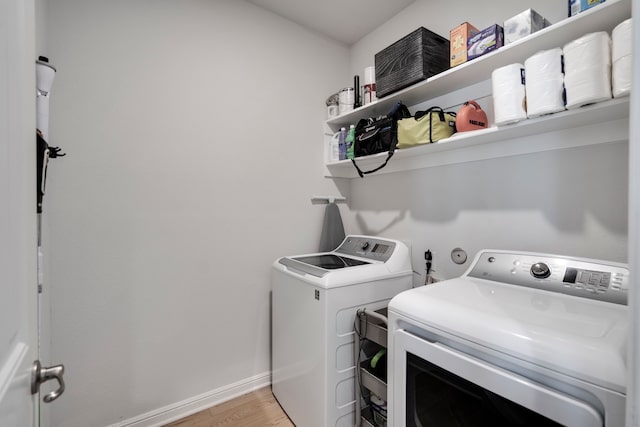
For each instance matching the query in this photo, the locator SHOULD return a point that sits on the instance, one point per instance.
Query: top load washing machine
(520, 339)
(315, 299)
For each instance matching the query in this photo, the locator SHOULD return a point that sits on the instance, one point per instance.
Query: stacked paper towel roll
(544, 83)
(587, 68)
(509, 104)
(621, 49)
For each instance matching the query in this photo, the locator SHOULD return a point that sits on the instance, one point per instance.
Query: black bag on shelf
(373, 136)
(380, 135)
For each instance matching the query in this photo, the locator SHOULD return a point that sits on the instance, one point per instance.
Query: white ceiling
(344, 20)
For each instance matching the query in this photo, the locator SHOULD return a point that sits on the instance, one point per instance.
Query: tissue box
(417, 56)
(458, 40)
(485, 41)
(577, 6)
(523, 24)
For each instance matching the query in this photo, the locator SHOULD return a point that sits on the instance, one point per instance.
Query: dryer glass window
(330, 262)
(438, 397)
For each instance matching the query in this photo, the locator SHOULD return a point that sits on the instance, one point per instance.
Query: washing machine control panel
(600, 280)
(367, 247)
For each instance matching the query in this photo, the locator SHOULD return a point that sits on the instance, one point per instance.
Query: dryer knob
(364, 245)
(540, 270)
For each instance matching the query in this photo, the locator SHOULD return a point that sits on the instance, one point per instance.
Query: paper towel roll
(621, 40)
(544, 83)
(544, 64)
(587, 67)
(509, 102)
(621, 58)
(621, 76)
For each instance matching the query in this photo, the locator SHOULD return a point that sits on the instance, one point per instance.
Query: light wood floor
(256, 409)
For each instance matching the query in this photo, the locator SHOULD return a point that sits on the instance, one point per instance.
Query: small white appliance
(315, 299)
(519, 339)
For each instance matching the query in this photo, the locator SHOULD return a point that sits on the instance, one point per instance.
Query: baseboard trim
(198, 403)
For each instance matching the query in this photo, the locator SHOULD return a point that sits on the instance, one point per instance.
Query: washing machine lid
(330, 261)
(321, 264)
(358, 259)
(580, 337)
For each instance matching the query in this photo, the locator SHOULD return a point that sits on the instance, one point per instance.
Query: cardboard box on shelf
(577, 6)
(485, 41)
(523, 24)
(458, 43)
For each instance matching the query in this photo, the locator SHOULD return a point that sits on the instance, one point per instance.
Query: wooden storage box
(413, 58)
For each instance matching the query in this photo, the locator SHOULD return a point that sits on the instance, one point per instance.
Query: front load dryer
(520, 339)
(315, 299)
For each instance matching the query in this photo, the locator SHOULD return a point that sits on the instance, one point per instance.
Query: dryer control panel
(367, 247)
(594, 279)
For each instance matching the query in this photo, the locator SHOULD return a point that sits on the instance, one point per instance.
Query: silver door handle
(41, 375)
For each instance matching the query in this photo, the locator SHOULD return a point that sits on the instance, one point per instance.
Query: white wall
(194, 139)
(41, 27)
(571, 202)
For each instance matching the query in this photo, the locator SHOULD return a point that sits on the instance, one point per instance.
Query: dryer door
(436, 385)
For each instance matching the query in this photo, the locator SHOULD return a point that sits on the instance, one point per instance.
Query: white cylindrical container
(544, 83)
(333, 154)
(509, 100)
(369, 75)
(587, 68)
(346, 99)
(369, 94)
(621, 56)
(369, 88)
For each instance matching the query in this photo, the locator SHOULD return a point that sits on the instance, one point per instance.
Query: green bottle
(350, 140)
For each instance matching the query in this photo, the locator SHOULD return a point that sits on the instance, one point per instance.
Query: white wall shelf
(603, 17)
(595, 124)
(605, 122)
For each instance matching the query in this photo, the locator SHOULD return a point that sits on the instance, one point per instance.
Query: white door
(18, 287)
